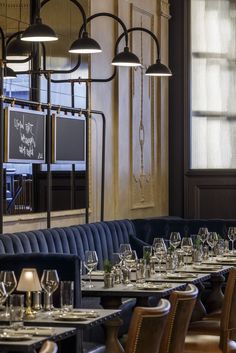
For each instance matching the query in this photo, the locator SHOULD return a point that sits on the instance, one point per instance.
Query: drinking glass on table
(16, 302)
(131, 259)
(232, 236)
(50, 283)
(203, 233)
(175, 239)
(3, 293)
(212, 240)
(90, 262)
(124, 248)
(67, 295)
(160, 251)
(187, 247)
(9, 280)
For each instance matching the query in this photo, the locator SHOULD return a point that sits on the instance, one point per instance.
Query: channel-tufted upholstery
(148, 228)
(104, 237)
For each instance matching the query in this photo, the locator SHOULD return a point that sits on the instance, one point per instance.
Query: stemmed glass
(203, 233)
(232, 236)
(50, 283)
(10, 283)
(175, 239)
(90, 262)
(160, 251)
(3, 293)
(187, 247)
(131, 259)
(212, 240)
(124, 248)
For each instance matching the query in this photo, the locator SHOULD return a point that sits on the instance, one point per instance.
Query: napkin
(35, 331)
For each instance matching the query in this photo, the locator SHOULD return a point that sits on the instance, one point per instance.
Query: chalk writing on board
(28, 143)
(24, 136)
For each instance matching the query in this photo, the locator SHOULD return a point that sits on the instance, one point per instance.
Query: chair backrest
(67, 266)
(146, 328)
(182, 304)
(49, 347)
(228, 317)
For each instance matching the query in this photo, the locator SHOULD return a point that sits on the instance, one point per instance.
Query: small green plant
(147, 257)
(198, 243)
(107, 266)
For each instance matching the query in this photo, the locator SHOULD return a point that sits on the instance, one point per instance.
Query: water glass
(16, 302)
(67, 295)
(37, 300)
(140, 271)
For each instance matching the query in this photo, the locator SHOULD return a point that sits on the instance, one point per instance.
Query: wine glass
(232, 236)
(50, 283)
(10, 283)
(122, 251)
(212, 240)
(90, 262)
(175, 239)
(159, 251)
(131, 259)
(203, 233)
(187, 247)
(3, 293)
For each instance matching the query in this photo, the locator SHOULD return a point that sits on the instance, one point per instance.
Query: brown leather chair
(223, 339)
(146, 328)
(182, 304)
(49, 347)
(211, 323)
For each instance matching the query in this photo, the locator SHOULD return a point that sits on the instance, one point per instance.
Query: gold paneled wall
(136, 108)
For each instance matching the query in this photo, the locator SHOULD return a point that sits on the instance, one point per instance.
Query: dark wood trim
(176, 109)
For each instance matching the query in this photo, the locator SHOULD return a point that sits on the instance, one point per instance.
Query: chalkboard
(68, 139)
(24, 136)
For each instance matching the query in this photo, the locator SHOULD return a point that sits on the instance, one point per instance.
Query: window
(213, 84)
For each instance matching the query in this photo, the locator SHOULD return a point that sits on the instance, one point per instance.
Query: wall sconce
(16, 47)
(85, 45)
(29, 282)
(39, 32)
(156, 69)
(126, 58)
(9, 73)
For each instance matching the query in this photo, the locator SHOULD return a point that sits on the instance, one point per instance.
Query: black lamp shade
(158, 69)
(85, 45)
(17, 47)
(39, 32)
(9, 73)
(126, 58)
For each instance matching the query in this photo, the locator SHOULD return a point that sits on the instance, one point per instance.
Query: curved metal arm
(80, 7)
(108, 14)
(132, 29)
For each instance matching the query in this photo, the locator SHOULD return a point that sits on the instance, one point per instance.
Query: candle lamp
(29, 282)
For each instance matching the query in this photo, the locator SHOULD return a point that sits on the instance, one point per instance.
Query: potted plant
(108, 274)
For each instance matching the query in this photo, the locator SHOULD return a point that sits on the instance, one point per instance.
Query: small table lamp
(29, 282)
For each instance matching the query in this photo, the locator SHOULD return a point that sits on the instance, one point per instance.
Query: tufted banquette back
(104, 237)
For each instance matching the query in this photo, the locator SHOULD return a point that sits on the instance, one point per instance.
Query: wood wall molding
(165, 9)
(210, 196)
(142, 107)
(14, 4)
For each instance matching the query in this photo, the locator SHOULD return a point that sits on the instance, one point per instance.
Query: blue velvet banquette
(60, 248)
